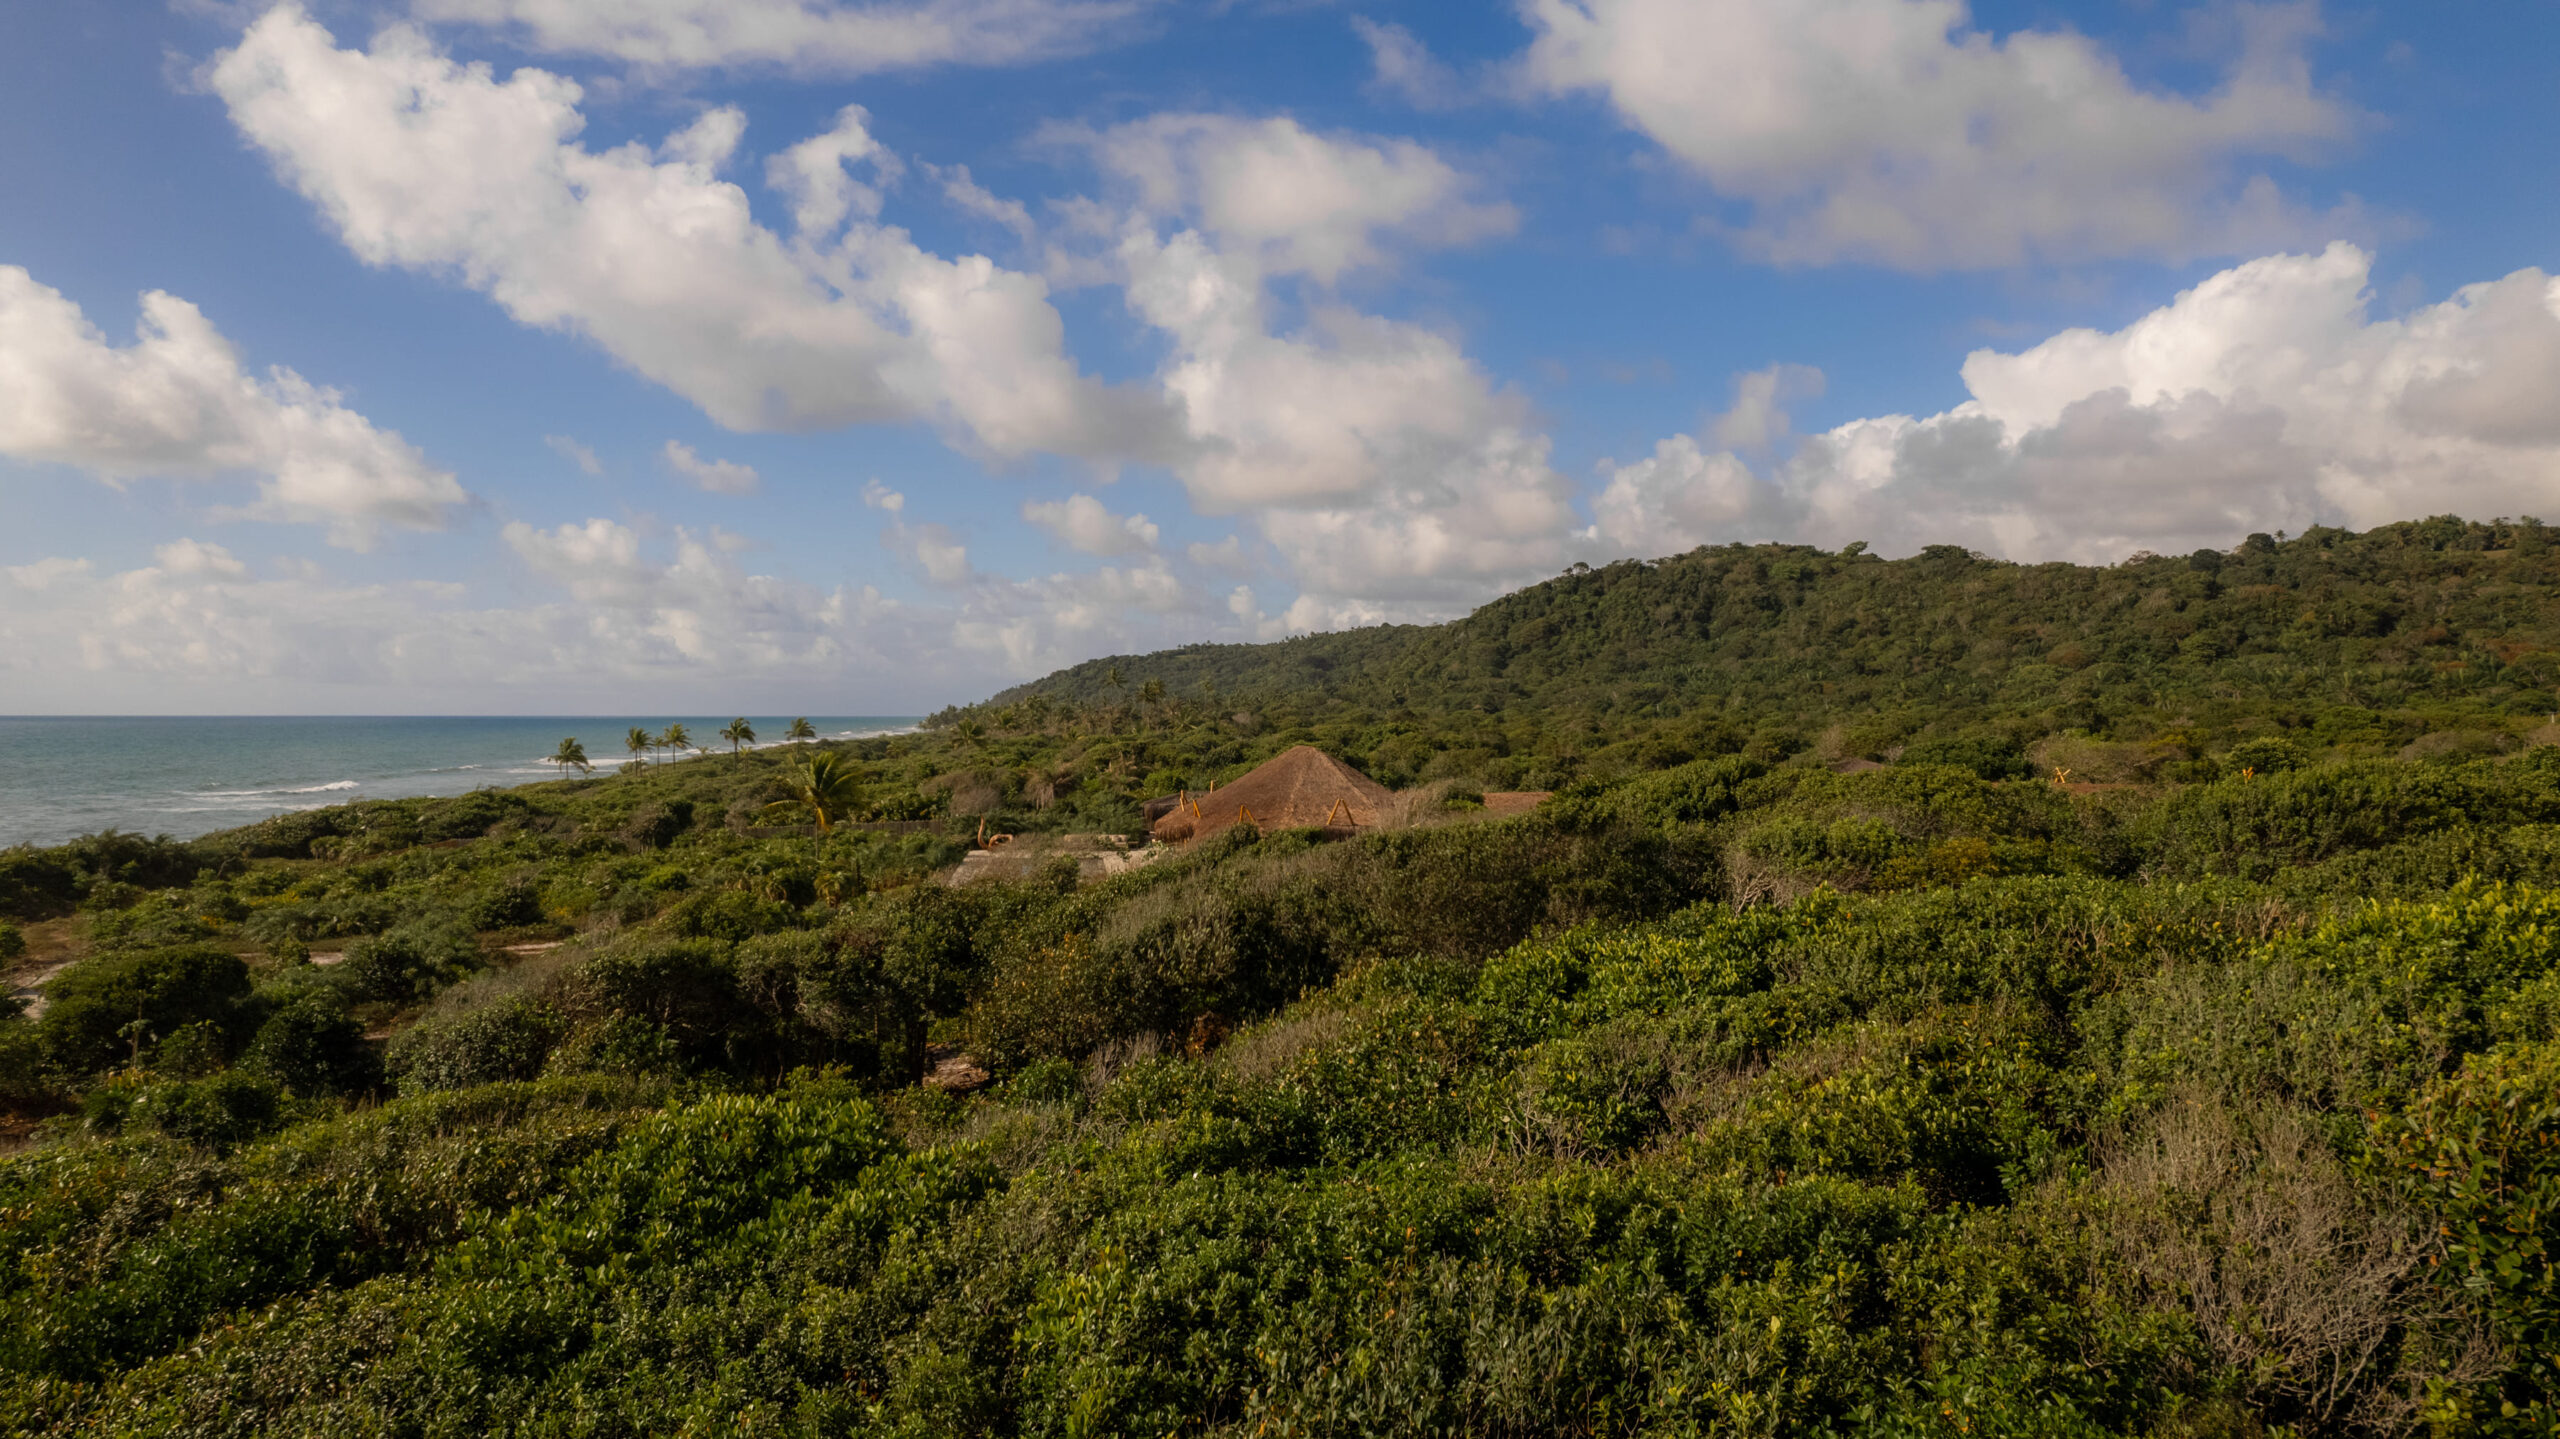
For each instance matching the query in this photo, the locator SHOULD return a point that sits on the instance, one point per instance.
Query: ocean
(61, 777)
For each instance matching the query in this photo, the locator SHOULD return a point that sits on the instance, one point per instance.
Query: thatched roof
(1300, 788)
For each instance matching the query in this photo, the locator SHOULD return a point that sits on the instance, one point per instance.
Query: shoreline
(186, 777)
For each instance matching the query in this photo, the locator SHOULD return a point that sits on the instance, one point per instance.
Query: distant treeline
(2364, 641)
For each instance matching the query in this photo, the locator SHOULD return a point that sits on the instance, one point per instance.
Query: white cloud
(427, 164)
(1372, 453)
(1402, 66)
(1892, 131)
(640, 621)
(194, 557)
(880, 497)
(971, 198)
(1377, 457)
(2265, 398)
(1082, 523)
(1227, 554)
(1677, 499)
(177, 403)
(807, 36)
(44, 574)
(945, 560)
(1759, 417)
(577, 454)
(719, 477)
(1294, 201)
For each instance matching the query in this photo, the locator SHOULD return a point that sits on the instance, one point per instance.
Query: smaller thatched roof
(1300, 788)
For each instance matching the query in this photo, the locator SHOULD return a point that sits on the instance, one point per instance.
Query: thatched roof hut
(1300, 788)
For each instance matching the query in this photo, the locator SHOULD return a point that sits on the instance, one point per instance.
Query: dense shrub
(2481, 1149)
(1984, 756)
(508, 1039)
(509, 905)
(728, 914)
(310, 1045)
(408, 963)
(110, 1010)
(219, 1111)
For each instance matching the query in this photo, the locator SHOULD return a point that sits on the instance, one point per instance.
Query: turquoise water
(69, 776)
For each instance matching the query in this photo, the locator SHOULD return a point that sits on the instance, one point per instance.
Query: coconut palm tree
(675, 738)
(826, 787)
(571, 755)
(739, 734)
(637, 741)
(800, 729)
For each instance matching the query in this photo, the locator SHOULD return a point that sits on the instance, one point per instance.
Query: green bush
(219, 1112)
(408, 963)
(1984, 756)
(108, 1010)
(310, 1045)
(2481, 1149)
(619, 1044)
(515, 903)
(508, 1039)
(728, 914)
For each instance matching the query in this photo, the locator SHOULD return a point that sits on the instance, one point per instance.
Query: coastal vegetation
(1938, 997)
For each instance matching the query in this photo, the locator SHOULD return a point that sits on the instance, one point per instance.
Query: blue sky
(558, 355)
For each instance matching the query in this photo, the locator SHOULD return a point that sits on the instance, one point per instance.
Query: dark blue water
(61, 777)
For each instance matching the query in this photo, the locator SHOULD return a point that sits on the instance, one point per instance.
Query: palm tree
(676, 739)
(637, 742)
(827, 787)
(572, 754)
(739, 734)
(800, 729)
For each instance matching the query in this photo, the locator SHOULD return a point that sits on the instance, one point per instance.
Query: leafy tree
(675, 737)
(637, 741)
(739, 734)
(825, 788)
(800, 729)
(571, 755)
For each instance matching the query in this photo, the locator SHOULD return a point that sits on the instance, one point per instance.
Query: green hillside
(2332, 638)
(2164, 1042)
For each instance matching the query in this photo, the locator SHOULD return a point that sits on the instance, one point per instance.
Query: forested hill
(2443, 616)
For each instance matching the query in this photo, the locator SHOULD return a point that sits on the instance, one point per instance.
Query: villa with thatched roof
(1300, 788)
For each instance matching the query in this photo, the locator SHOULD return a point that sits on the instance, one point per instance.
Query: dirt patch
(28, 985)
(953, 1071)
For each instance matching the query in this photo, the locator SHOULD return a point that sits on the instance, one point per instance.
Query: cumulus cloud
(1294, 201)
(421, 162)
(719, 477)
(1679, 497)
(194, 557)
(177, 403)
(577, 454)
(2265, 398)
(1371, 452)
(1080, 522)
(1403, 67)
(1758, 418)
(807, 36)
(1892, 131)
(1375, 455)
(44, 574)
(944, 560)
